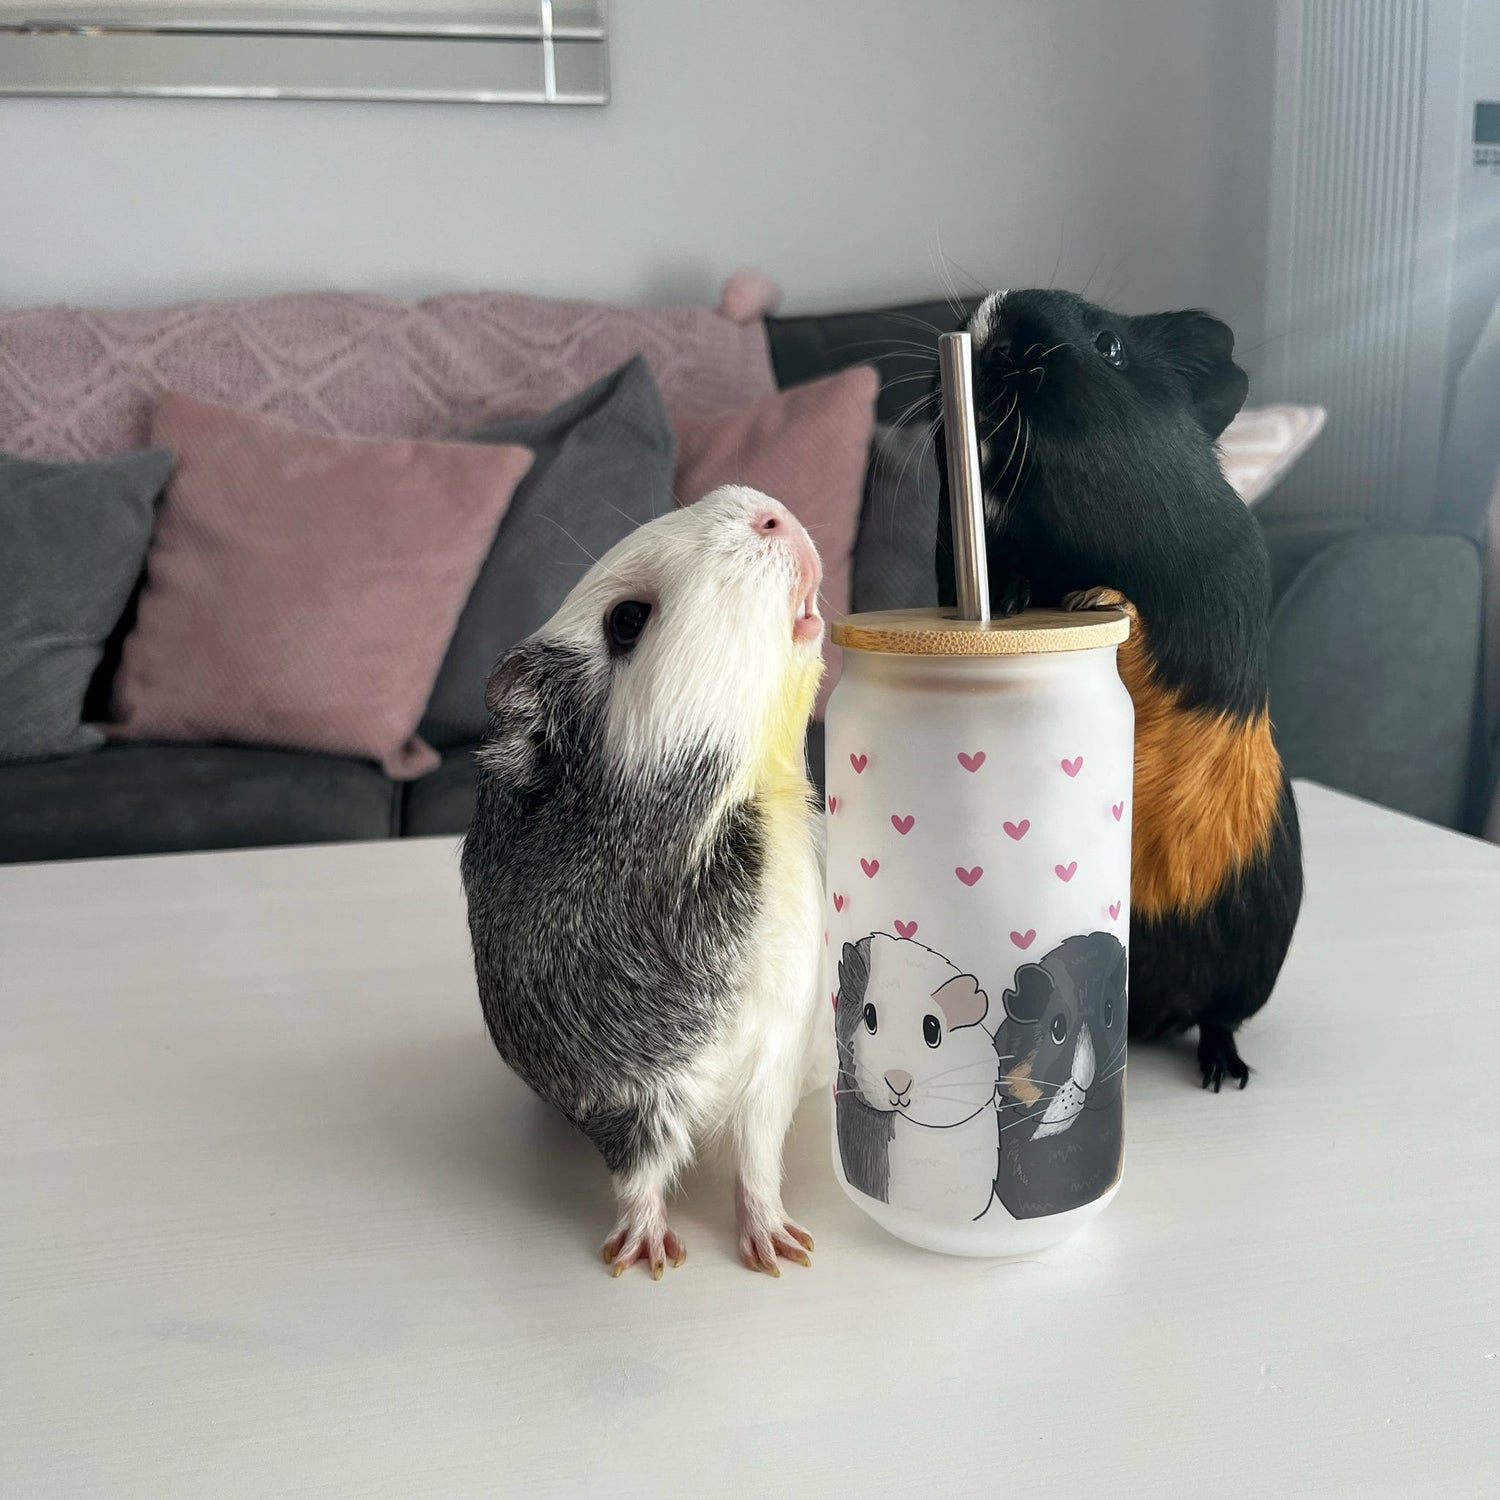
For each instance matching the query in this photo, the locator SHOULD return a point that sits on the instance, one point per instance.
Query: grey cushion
(157, 799)
(1374, 663)
(74, 538)
(442, 803)
(893, 557)
(604, 463)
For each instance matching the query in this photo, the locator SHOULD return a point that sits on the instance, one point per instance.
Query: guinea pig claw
(799, 1234)
(759, 1248)
(652, 1247)
(1099, 598)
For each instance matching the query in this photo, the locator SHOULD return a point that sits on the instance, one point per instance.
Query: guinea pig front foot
(1009, 594)
(644, 1236)
(1098, 599)
(1219, 1058)
(766, 1234)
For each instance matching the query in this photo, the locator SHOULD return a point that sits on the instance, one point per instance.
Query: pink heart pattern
(903, 823)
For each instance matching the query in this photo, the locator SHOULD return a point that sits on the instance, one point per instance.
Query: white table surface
(275, 1220)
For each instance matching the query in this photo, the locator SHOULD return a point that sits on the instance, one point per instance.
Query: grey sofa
(1374, 673)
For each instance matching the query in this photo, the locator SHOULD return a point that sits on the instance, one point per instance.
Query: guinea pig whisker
(1083, 291)
(988, 1065)
(914, 410)
(888, 341)
(552, 521)
(1060, 344)
(968, 275)
(622, 514)
(1036, 1083)
(955, 1091)
(907, 379)
(914, 322)
(1020, 427)
(950, 291)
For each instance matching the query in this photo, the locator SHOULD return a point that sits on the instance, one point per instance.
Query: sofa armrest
(1374, 662)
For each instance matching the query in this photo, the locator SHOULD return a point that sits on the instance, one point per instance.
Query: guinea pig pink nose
(898, 1080)
(770, 519)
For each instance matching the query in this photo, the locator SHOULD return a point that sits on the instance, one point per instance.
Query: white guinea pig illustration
(917, 1121)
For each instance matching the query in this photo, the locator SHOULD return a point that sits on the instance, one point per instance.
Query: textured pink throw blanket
(76, 383)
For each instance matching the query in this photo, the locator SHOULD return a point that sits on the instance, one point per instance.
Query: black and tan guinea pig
(1062, 1065)
(1102, 486)
(642, 870)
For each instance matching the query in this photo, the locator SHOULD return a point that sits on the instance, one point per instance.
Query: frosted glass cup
(978, 910)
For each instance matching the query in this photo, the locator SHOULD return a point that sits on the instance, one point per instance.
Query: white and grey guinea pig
(642, 867)
(916, 1119)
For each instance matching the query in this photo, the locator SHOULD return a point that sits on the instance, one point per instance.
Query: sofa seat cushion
(158, 799)
(442, 803)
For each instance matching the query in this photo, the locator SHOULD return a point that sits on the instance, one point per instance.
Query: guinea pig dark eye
(870, 1019)
(625, 622)
(1109, 1013)
(932, 1031)
(1059, 1029)
(1108, 344)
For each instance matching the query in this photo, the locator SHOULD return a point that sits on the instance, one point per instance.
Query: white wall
(828, 143)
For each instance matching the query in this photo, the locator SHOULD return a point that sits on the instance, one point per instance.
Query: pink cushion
(300, 589)
(805, 447)
(76, 383)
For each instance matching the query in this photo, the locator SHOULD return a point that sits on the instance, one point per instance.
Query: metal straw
(965, 492)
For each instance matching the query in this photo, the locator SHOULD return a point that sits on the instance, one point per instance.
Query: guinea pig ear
(518, 717)
(962, 1002)
(1200, 348)
(1027, 1002)
(854, 972)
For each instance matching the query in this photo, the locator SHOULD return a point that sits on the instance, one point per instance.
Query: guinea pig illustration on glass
(1061, 1048)
(917, 1073)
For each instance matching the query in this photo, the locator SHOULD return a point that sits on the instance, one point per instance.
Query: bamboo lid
(939, 632)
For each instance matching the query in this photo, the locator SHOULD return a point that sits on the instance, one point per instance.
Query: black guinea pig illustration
(1062, 1072)
(1102, 487)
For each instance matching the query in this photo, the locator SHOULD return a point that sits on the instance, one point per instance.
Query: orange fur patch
(1019, 1083)
(1207, 788)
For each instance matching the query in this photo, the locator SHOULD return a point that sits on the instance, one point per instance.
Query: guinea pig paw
(1098, 599)
(652, 1242)
(767, 1234)
(1219, 1058)
(1009, 595)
